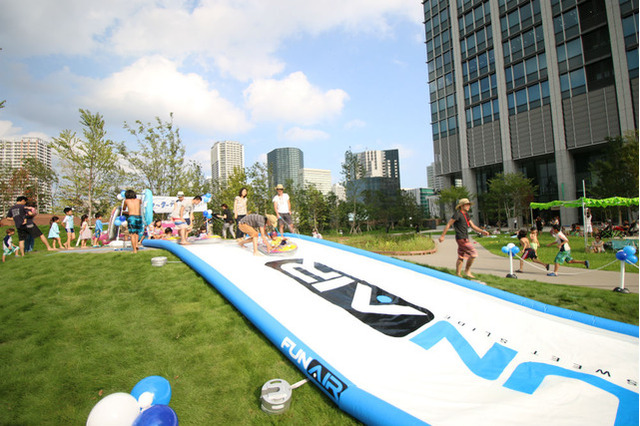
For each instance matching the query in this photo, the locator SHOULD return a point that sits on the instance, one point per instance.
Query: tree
(91, 169)
(41, 179)
(260, 201)
(352, 171)
(159, 161)
(2, 104)
(450, 196)
(616, 174)
(511, 192)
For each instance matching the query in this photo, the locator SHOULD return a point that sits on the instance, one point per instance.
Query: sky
(324, 76)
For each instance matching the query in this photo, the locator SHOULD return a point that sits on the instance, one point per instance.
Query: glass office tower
(531, 86)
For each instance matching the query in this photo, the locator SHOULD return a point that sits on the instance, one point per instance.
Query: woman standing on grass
(240, 209)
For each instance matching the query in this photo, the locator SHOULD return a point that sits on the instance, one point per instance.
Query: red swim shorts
(466, 249)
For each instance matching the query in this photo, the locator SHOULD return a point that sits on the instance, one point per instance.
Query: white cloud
(296, 134)
(241, 38)
(292, 99)
(153, 86)
(355, 124)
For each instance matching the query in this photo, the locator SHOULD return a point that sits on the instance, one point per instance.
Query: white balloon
(116, 409)
(510, 246)
(145, 400)
(120, 197)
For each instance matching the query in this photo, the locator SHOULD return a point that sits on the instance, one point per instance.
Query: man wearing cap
(461, 223)
(282, 206)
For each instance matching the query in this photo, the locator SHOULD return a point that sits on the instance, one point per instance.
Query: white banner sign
(165, 204)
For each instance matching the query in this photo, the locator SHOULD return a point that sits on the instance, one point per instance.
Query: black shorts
(529, 254)
(34, 231)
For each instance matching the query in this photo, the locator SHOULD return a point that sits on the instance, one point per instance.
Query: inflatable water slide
(394, 343)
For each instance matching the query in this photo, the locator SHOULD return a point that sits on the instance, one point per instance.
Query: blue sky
(321, 76)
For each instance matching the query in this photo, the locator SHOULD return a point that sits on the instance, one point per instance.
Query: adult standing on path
(282, 206)
(461, 224)
(23, 220)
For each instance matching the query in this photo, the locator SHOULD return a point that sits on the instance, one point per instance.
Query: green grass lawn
(386, 242)
(78, 326)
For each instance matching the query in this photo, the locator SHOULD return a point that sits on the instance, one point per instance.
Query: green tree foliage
(159, 162)
(41, 180)
(450, 196)
(90, 164)
(351, 172)
(616, 174)
(512, 193)
(313, 209)
(2, 104)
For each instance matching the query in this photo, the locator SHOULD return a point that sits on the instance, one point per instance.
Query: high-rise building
(285, 165)
(433, 181)
(14, 151)
(226, 156)
(422, 196)
(380, 172)
(320, 179)
(531, 86)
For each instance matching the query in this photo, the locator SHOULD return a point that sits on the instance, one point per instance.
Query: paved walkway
(488, 263)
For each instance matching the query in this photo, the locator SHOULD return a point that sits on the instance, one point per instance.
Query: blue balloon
(158, 415)
(505, 250)
(122, 193)
(515, 250)
(632, 259)
(158, 386)
(621, 255)
(122, 218)
(629, 250)
(206, 214)
(117, 222)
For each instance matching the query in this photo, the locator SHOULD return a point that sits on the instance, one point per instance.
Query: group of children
(84, 235)
(530, 249)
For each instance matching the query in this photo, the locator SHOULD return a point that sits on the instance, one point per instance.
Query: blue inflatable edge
(603, 323)
(357, 402)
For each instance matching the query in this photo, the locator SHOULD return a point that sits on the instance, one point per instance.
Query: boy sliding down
(251, 225)
(565, 251)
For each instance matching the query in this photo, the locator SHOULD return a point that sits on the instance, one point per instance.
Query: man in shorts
(461, 224)
(282, 206)
(25, 226)
(564, 251)
(254, 225)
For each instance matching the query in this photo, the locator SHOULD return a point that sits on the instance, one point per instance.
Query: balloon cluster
(146, 405)
(120, 220)
(206, 198)
(120, 196)
(511, 249)
(208, 214)
(627, 254)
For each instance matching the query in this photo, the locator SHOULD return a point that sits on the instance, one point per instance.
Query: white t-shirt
(68, 221)
(176, 209)
(561, 237)
(283, 202)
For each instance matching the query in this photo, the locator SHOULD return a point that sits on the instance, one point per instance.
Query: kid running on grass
(8, 248)
(564, 255)
(528, 251)
(54, 232)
